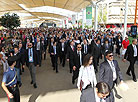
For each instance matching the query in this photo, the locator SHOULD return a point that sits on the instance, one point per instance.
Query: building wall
(116, 10)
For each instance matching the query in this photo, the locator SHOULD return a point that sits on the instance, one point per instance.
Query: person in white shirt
(87, 79)
(4, 59)
(89, 40)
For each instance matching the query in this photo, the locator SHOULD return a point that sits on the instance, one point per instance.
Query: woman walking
(87, 79)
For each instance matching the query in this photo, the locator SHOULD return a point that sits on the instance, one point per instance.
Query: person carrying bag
(87, 79)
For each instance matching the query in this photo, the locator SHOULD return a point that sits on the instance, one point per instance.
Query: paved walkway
(57, 87)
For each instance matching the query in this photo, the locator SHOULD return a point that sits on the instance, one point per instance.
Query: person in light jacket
(88, 77)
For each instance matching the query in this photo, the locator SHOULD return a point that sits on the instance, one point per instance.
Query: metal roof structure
(42, 9)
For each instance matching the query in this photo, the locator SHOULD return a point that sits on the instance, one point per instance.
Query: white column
(125, 19)
(77, 20)
(67, 23)
(63, 23)
(83, 17)
(96, 17)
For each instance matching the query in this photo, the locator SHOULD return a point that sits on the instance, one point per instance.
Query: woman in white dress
(87, 79)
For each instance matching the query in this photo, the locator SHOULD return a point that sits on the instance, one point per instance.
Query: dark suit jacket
(45, 44)
(88, 48)
(104, 48)
(41, 46)
(129, 55)
(23, 55)
(117, 41)
(75, 59)
(70, 52)
(65, 48)
(52, 50)
(106, 73)
(96, 51)
(18, 61)
(34, 57)
(49, 45)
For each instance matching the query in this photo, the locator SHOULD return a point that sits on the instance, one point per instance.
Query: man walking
(109, 72)
(31, 63)
(131, 55)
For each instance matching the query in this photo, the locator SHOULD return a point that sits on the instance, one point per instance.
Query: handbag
(81, 84)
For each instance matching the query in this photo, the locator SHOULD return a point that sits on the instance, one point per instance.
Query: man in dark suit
(45, 46)
(76, 61)
(70, 52)
(54, 52)
(50, 45)
(38, 47)
(85, 47)
(18, 64)
(63, 51)
(31, 63)
(119, 40)
(22, 51)
(131, 55)
(96, 53)
(109, 72)
(106, 47)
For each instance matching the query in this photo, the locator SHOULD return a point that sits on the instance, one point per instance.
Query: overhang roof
(38, 9)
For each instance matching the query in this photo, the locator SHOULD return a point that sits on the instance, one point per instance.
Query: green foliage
(10, 21)
(102, 16)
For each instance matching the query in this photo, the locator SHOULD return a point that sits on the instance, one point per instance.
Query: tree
(102, 16)
(10, 21)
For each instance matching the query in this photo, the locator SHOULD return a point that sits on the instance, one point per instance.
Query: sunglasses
(110, 55)
(79, 47)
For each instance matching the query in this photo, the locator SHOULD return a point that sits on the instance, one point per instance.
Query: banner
(89, 16)
(73, 19)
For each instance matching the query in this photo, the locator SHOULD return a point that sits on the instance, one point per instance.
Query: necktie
(30, 52)
(78, 53)
(73, 48)
(54, 50)
(114, 71)
(85, 49)
(112, 64)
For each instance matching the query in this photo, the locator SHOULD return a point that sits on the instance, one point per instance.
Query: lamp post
(125, 20)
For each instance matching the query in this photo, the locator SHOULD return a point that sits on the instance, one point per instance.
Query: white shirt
(72, 48)
(77, 41)
(85, 48)
(55, 52)
(38, 46)
(89, 41)
(135, 50)
(87, 75)
(62, 46)
(113, 69)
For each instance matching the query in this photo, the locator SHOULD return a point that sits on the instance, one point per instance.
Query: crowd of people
(81, 48)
